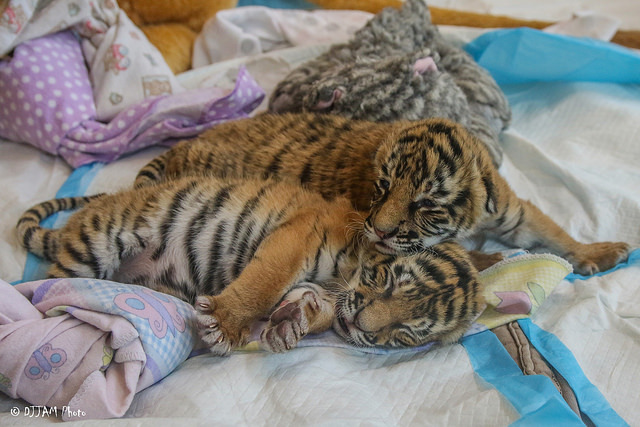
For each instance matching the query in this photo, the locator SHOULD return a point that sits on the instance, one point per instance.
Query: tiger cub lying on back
(423, 182)
(241, 248)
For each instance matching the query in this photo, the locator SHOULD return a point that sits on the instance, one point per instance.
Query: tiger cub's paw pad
(289, 323)
(209, 327)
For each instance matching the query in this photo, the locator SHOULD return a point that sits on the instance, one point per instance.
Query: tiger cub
(246, 250)
(423, 182)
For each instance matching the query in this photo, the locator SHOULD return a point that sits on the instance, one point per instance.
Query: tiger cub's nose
(385, 234)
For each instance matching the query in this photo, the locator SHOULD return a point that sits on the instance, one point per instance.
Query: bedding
(92, 344)
(81, 343)
(110, 44)
(60, 116)
(110, 106)
(571, 148)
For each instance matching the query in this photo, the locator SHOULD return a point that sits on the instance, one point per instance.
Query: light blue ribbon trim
(535, 397)
(592, 403)
(76, 185)
(526, 55)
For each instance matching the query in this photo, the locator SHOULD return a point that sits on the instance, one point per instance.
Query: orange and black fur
(423, 182)
(247, 250)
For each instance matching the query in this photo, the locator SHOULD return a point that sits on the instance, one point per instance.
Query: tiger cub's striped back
(322, 152)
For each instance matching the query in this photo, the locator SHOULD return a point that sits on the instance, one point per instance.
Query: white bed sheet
(572, 149)
(27, 176)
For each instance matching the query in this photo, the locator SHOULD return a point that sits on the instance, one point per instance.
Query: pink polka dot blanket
(89, 345)
(51, 99)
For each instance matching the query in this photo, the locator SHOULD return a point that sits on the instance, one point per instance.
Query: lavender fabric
(46, 100)
(89, 345)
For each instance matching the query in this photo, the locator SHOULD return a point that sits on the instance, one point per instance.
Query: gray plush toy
(398, 66)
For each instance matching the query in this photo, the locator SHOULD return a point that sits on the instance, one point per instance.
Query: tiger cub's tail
(41, 241)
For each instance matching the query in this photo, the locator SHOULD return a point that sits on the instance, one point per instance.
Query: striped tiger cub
(246, 250)
(423, 182)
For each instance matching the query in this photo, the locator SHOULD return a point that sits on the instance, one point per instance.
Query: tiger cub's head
(397, 301)
(434, 184)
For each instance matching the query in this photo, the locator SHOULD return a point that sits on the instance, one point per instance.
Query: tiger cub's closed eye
(381, 187)
(424, 204)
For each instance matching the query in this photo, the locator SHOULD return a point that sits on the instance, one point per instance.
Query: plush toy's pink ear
(423, 65)
(322, 105)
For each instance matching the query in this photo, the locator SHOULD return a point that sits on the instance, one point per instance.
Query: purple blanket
(46, 100)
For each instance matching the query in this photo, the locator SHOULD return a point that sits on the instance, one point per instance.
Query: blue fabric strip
(634, 259)
(527, 55)
(535, 397)
(76, 184)
(591, 401)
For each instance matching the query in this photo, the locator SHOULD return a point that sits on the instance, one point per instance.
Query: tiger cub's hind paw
(289, 323)
(596, 257)
(209, 327)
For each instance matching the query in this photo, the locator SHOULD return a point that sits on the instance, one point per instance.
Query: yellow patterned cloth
(516, 287)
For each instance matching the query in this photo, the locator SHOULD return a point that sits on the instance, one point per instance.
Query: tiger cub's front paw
(597, 257)
(216, 331)
(289, 323)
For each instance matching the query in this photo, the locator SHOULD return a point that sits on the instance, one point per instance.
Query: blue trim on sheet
(526, 55)
(535, 397)
(79, 180)
(592, 403)
(633, 260)
(76, 185)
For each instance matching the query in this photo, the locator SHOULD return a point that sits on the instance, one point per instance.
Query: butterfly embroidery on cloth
(45, 361)
(161, 313)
